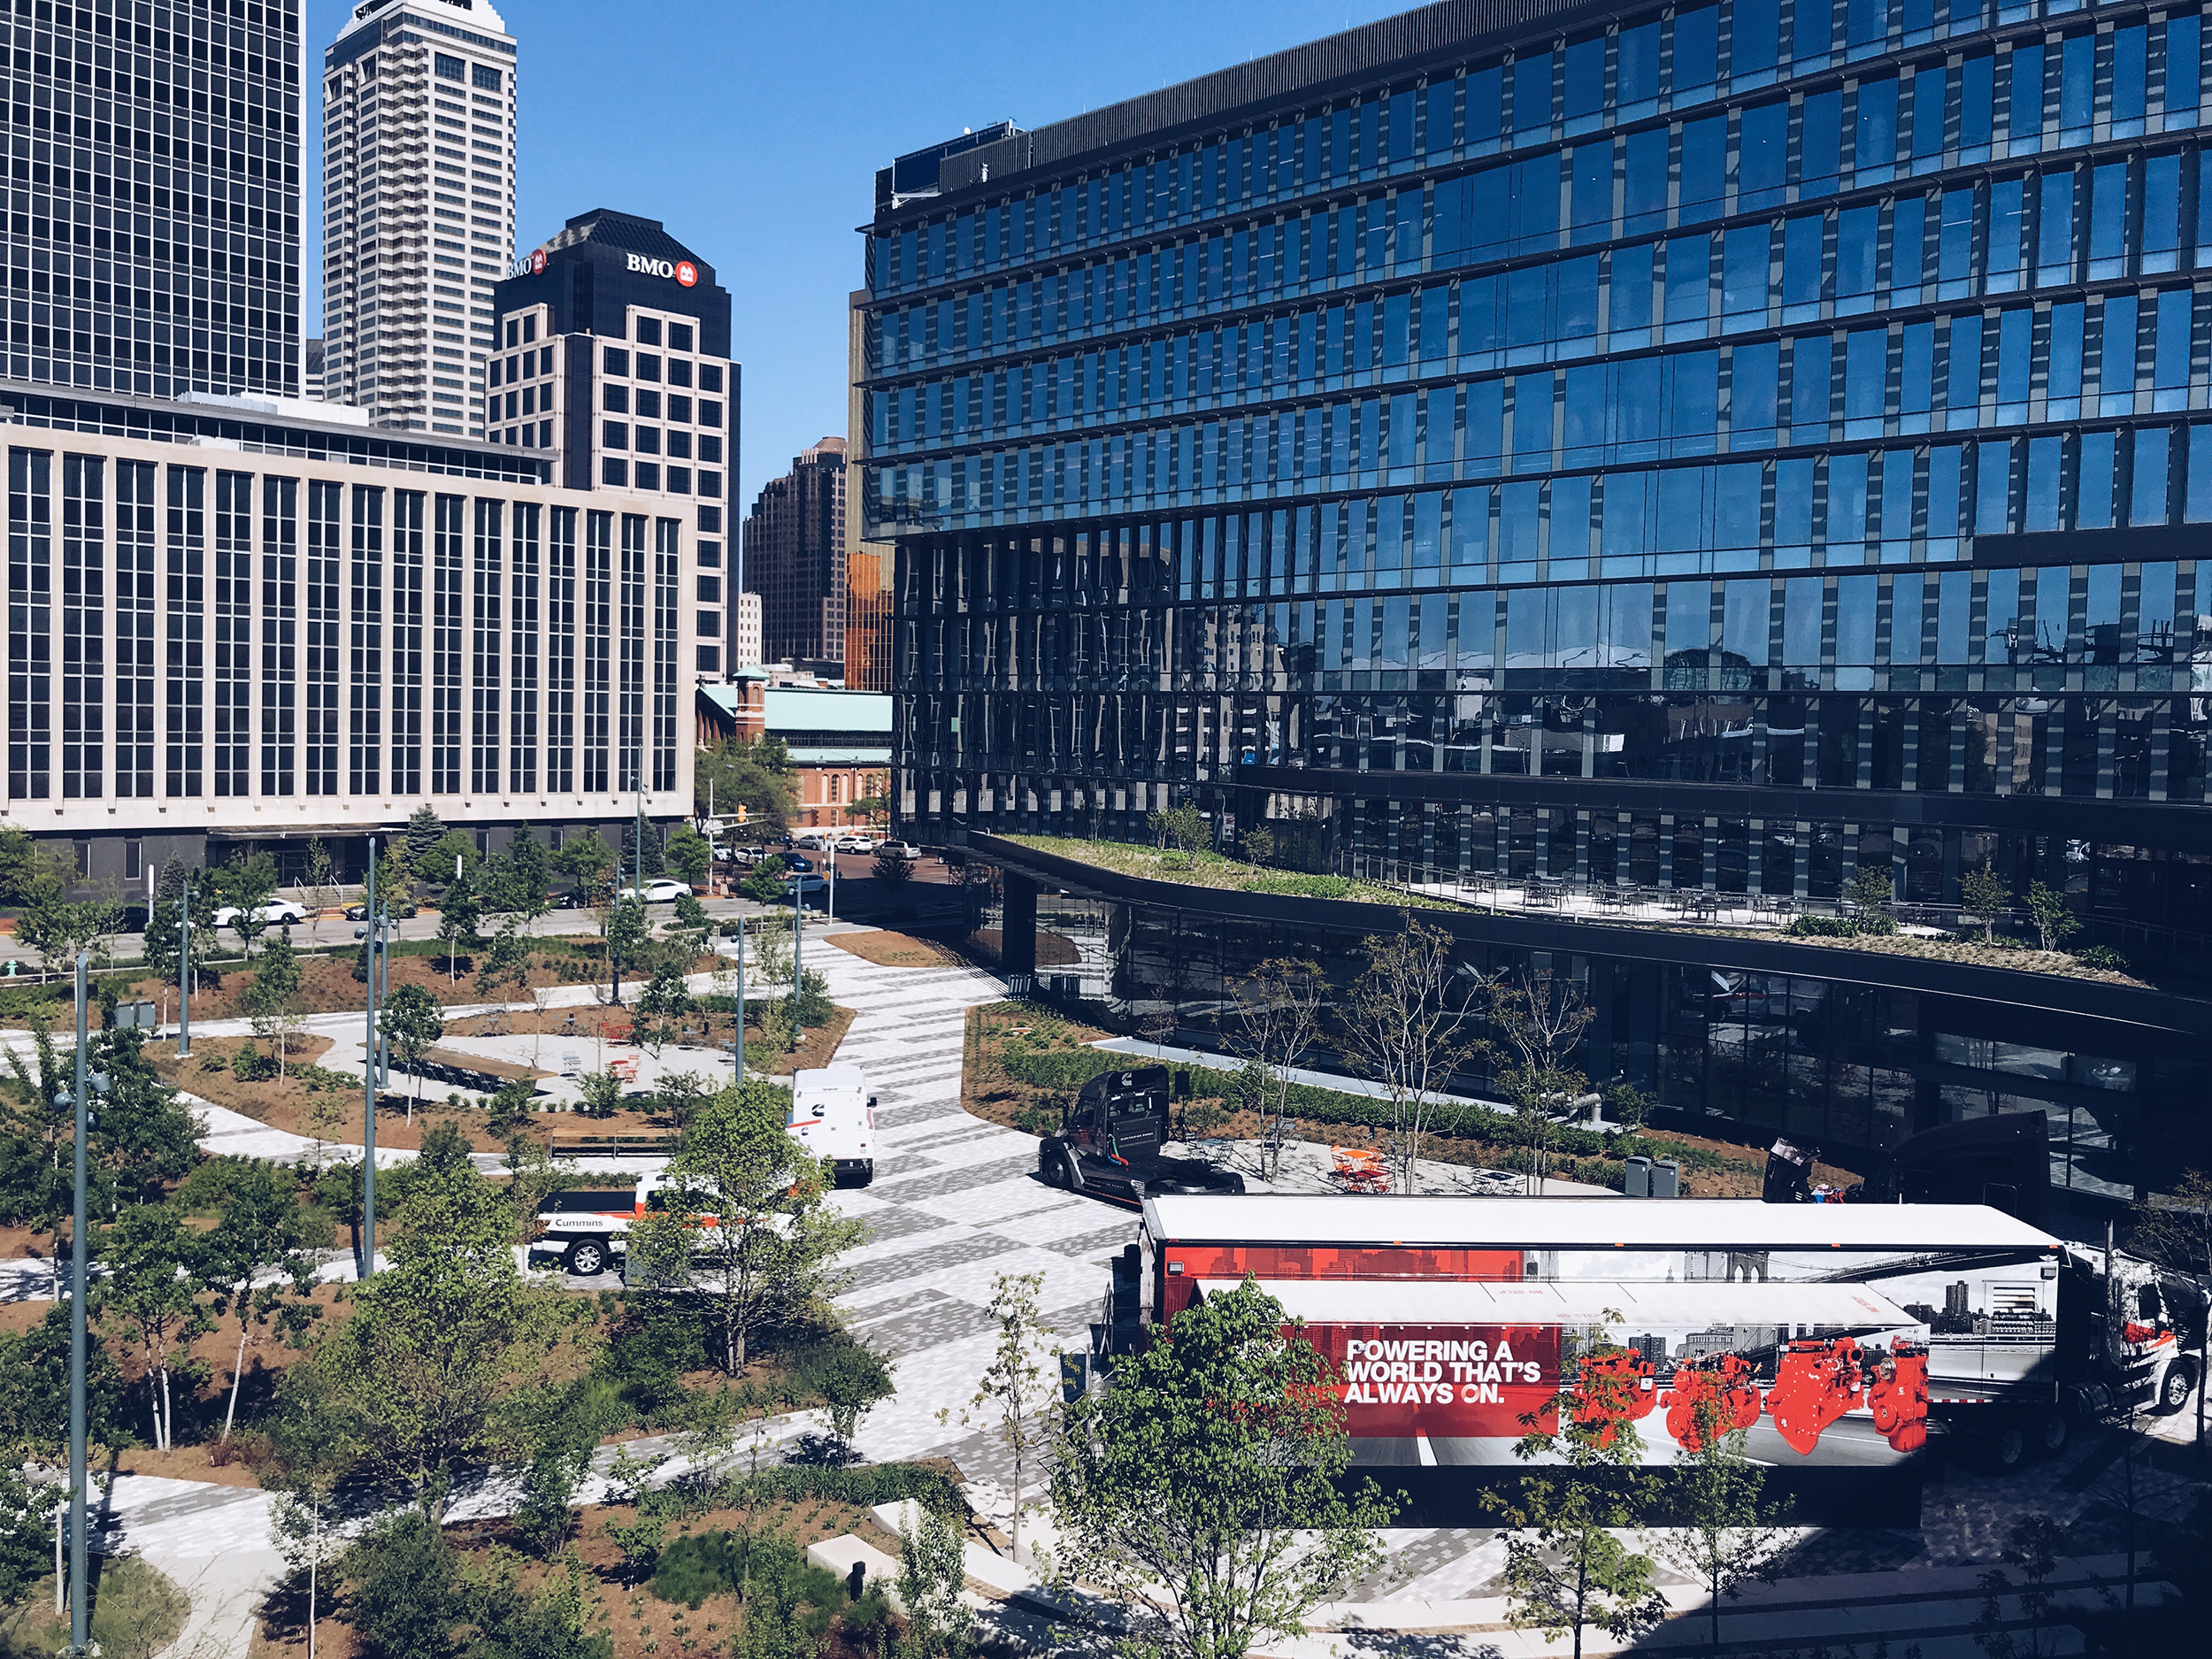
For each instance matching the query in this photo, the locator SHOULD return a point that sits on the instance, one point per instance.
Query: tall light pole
(78, 1611)
(367, 1264)
(798, 939)
(738, 1044)
(184, 976)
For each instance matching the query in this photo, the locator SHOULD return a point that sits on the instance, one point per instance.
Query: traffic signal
(740, 811)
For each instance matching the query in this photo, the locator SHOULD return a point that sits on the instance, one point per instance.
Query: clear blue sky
(754, 131)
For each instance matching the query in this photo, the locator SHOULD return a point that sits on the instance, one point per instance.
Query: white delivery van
(833, 1116)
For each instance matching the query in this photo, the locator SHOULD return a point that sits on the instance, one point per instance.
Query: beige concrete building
(419, 208)
(240, 628)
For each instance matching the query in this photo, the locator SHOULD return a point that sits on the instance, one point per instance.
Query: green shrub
(250, 1065)
(2101, 956)
(1822, 927)
(695, 1567)
(1301, 886)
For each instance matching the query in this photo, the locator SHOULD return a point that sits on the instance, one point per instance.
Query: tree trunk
(314, 1560)
(237, 1375)
(168, 1410)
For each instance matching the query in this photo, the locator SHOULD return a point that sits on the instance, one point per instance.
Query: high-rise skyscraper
(419, 208)
(154, 231)
(795, 559)
(1740, 459)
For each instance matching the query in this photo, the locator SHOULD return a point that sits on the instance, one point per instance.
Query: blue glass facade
(1719, 447)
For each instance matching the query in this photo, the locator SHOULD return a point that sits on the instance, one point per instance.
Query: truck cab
(1110, 1142)
(833, 1116)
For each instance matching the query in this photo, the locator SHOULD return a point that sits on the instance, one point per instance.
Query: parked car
(803, 882)
(276, 913)
(855, 844)
(905, 849)
(662, 892)
(792, 861)
(397, 913)
(813, 841)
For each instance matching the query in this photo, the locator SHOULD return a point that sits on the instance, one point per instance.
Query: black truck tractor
(1108, 1145)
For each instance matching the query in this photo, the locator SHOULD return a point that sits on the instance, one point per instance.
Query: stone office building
(230, 628)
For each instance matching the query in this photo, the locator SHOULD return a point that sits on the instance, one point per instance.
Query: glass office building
(1719, 446)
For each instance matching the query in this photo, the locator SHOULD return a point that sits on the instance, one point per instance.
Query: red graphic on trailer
(1500, 1382)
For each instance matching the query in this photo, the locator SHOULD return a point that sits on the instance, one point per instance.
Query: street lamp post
(184, 978)
(88, 1083)
(738, 1044)
(798, 939)
(366, 1266)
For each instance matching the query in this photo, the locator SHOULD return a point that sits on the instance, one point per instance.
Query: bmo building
(612, 364)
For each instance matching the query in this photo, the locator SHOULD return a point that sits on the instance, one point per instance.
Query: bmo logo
(532, 263)
(682, 270)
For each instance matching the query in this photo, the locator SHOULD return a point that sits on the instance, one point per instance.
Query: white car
(804, 881)
(855, 844)
(813, 842)
(658, 892)
(276, 913)
(904, 849)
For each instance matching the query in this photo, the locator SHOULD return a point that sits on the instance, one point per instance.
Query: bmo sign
(682, 272)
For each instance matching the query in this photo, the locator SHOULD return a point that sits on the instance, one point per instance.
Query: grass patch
(137, 1612)
(1201, 869)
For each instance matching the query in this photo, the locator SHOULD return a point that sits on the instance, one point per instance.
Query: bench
(612, 1146)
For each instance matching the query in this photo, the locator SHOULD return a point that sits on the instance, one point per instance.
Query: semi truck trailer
(1954, 1317)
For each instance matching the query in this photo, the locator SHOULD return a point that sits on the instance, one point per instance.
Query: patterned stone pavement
(955, 1202)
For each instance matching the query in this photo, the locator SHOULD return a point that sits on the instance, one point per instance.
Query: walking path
(957, 1201)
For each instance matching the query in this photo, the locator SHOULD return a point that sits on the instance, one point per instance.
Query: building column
(1018, 925)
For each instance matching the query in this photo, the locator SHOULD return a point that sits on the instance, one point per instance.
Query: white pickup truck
(833, 1116)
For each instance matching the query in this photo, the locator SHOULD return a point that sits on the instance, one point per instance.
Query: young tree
(260, 1235)
(23, 864)
(689, 854)
(1182, 827)
(1542, 1017)
(247, 883)
(272, 999)
(320, 891)
(654, 862)
(2053, 915)
(628, 930)
(529, 872)
(1986, 895)
(150, 1290)
(1567, 1570)
(58, 927)
(664, 999)
(763, 883)
(506, 961)
(1408, 1023)
(2041, 1630)
(599, 1093)
(450, 1346)
(164, 931)
(1723, 1530)
(588, 861)
(747, 1223)
(1871, 890)
(459, 914)
(425, 828)
(1278, 1015)
(933, 1572)
(1209, 1473)
(1013, 1393)
(415, 1021)
(892, 869)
